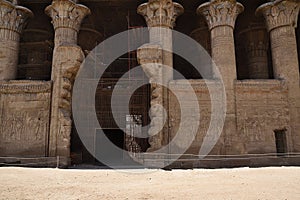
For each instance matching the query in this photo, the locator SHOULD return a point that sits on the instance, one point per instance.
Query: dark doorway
(116, 136)
(281, 145)
(103, 148)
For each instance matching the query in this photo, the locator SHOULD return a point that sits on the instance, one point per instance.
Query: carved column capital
(220, 12)
(280, 13)
(67, 14)
(161, 13)
(13, 18)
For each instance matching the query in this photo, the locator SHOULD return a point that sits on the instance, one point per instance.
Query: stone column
(256, 45)
(221, 16)
(281, 19)
(151, 58)
(160, 16)
(13, 18)
(202, 36)
(67, 57)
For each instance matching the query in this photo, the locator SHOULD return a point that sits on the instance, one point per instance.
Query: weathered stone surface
(65, 68)
(202, 36)
(281, 19)
(256, 43)
(24, 119)
(66, 19)
(280, 13)
(160, 17)
(160, 13)
(205, 101)
(221, 16)
(150, 57)
(220, 12)
(67, 58)
(262, 108)
(13, 18)
(36, 117)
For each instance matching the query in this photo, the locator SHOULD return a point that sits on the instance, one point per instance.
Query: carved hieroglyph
(281, 19)
(262, 107)
(67, 58)
(150, 58)
(220, 16)
(13, 18)
(160, 16)
(24, 119)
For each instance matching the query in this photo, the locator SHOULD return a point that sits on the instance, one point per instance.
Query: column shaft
(255, 40)
(284, 55)
(160, 16)
(13, 18)
(67, 58)
(281, 19)
(221, 16)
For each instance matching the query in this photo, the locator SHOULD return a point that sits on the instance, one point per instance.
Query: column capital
(220, 12)
(13, 18)
(160, 12)
(67, 14)
(280, 13)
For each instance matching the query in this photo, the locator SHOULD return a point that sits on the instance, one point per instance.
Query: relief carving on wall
(24, 118)
(262, 107)
(258, 123)
(24, 126)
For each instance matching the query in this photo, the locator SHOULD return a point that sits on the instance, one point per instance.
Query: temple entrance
(130, 118)
(131, 124)
(116, 137)
(281, 145)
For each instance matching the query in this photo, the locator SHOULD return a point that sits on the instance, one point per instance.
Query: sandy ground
(265, 183)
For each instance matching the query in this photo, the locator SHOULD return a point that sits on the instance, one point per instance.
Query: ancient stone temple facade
(254, 47)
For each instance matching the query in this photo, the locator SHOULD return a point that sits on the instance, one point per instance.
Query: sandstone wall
(24, 119)
(204, 100)
(262, 107)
